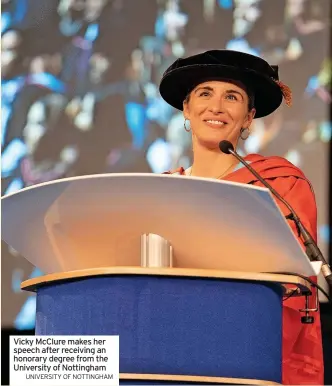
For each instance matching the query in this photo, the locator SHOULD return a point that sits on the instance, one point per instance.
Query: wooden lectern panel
(301, 284)
(194, 379)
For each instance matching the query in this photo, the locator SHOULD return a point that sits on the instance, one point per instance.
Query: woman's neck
(211, 163)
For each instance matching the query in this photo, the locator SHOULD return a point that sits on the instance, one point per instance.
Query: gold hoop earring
(185, 126)
(244, 133)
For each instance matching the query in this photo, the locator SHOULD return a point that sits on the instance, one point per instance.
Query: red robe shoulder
(289, 181)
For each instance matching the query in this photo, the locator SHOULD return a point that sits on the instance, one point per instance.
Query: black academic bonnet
(260, 79)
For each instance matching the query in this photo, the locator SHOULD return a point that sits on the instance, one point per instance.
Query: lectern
(215, 316)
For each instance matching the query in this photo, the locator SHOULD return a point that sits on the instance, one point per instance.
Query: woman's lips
(215, 123)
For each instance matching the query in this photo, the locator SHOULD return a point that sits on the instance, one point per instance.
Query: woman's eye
(232, 97)
(204, 93)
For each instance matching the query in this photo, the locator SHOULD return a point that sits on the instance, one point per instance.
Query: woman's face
(217, 111)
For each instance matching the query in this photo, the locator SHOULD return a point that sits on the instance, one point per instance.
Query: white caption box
(64, 360)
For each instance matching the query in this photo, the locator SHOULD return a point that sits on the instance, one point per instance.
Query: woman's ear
(250, 117)
(185, 110)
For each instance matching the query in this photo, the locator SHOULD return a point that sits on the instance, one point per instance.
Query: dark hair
(251, 96)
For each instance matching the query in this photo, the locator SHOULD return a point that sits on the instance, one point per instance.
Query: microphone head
(226, 146)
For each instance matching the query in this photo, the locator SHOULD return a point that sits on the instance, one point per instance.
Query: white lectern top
(97, 221)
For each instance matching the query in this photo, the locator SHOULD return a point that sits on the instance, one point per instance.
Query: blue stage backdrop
(80, 93)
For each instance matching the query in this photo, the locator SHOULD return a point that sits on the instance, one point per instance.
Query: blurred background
(79, 93)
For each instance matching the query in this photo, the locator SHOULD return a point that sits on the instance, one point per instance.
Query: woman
(220, 93)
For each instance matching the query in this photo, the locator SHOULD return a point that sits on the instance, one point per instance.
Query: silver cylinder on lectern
(156, 252)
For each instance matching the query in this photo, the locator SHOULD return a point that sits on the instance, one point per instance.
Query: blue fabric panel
(173, 325)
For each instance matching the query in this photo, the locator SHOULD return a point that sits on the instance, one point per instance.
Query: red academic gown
(302, 351)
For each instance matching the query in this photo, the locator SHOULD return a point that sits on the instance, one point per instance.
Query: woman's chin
(212, 142)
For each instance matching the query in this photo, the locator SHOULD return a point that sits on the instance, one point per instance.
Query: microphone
(312, 249)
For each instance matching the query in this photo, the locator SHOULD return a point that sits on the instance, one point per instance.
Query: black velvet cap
(260, 79)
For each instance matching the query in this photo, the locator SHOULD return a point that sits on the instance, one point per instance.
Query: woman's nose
(216, 106)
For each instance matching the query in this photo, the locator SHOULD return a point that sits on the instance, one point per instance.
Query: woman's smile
(215, 124)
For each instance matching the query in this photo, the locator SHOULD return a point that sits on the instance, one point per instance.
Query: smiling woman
(220, 93)
(217, 110)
